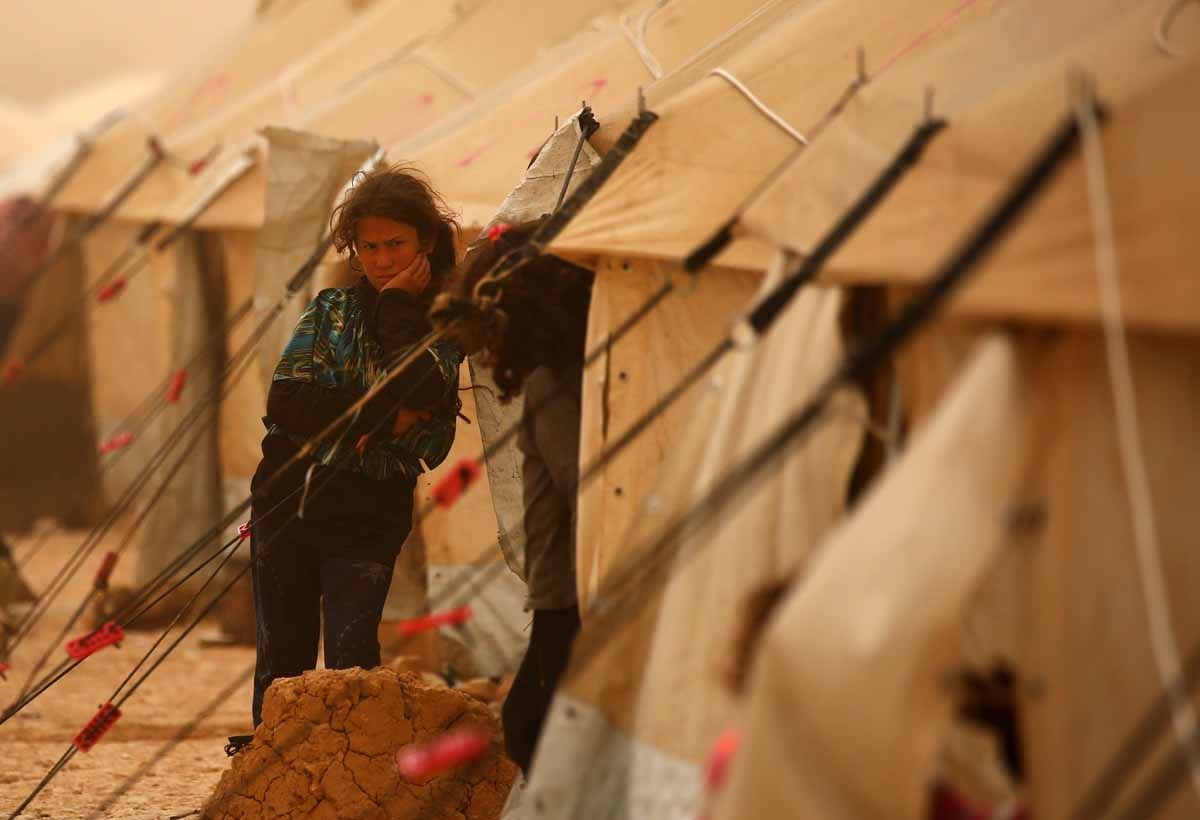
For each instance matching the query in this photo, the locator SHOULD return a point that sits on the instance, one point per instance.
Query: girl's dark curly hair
(399, 192)
(540, 318)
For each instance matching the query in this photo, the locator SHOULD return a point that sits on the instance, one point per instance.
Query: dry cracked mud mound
(326, 751)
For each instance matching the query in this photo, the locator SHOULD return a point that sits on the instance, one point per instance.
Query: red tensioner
(415, 626)
(175, 388)
(111, 634)
(441, 754)
(118, 442)
(112, 289)
(100, 723)
(456, 483)
(100, 582)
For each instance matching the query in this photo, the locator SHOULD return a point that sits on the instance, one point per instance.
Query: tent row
(970, 509)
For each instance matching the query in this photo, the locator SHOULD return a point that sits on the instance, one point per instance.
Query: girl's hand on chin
(413, 279)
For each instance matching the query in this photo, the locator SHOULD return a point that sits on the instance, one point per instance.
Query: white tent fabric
(849, 702)
(646, 697)
(463, 565)
(305, 174)
(712, 147)
(533, 198)
(480, 153)
(249, 65)
(22, 131)
(1001, 80)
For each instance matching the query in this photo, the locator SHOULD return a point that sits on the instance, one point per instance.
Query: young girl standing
(326, 533)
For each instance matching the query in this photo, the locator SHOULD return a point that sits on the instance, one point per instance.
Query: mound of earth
(326, 750)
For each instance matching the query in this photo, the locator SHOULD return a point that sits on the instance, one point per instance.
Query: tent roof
(52, 47)
(249, 64)
(447, 55)
(478, 156)
(22, 130)
(711, 146)
(83, 107)
(476, 164)
(1002, 85)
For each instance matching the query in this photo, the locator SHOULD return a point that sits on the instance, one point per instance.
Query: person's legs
(375, 518)
(542, 668)
(287, 601)
(355, 591)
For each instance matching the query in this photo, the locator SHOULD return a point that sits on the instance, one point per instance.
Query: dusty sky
(50, 47)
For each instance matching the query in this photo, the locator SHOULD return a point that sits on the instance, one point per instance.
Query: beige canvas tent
(335, 89)
(482, 152)
(661, 193)
(763, 116)
(647, 725)
(52, 48)
(642, 213)
(1046, 272)
(882, 606)
(1047, 269)
(678, 186)
(21, 131)
(673, 192)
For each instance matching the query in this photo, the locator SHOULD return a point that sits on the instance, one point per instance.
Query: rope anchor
(112, 290)
(100, 583)
(450, 488)
(448, 751)
(100, 723)
(175, 389)
(111, 634)
(424, 623)
(118, 442)
(12, 372)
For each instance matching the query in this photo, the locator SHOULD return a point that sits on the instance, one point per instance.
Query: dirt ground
(164, 755)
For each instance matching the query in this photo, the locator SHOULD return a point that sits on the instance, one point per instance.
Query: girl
(538, 348)
(326, 533)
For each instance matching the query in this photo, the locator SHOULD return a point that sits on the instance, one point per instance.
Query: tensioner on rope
(723, 750)
(118, 442)
(441, 754)
(498, 230)
(13, 371)
(111, 290)
(175, 388)
(423, 623)
(111, 634)
(100, 723)
(100, 582)
(456, 483)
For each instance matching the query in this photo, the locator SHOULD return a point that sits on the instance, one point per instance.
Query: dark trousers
(533, 688)
(326, 564)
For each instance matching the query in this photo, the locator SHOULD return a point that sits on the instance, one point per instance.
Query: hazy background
(71, 60)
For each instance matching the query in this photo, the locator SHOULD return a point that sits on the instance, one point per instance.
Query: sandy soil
(164, 755)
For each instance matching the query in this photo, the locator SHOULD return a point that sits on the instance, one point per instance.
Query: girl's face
(385, 247)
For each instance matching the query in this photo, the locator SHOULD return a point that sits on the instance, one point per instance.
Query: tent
(1045, 274)
(53, 48)
(1047, 271)
(674, 192)
(21, 130)
(674, 185)
(678, 187)
(482, 151)
(333, 89)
